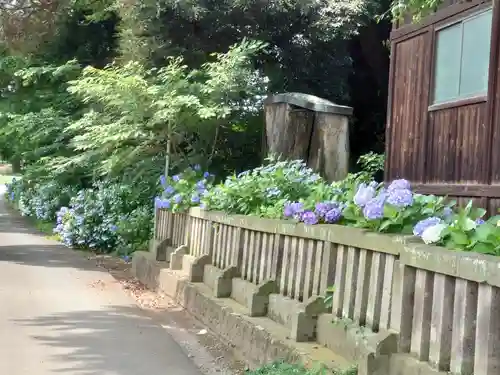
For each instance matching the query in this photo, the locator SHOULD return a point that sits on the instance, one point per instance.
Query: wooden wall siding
(495, 98)
(458, 140)
(407, 126)
(453, 150)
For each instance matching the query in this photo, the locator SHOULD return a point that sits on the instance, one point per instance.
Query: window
(462, 58)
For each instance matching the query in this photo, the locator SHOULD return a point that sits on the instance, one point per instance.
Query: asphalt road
(59, 314)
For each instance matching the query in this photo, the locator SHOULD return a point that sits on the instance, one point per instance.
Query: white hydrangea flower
(469, 224)
(433, 234)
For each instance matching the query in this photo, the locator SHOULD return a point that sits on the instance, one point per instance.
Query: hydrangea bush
(104, 218)
(184, 190)
(263, 191)
(42, 200)
(462, 229)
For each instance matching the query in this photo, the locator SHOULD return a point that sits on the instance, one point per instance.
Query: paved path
(59, 314)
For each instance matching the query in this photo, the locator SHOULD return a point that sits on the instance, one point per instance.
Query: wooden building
(443, 129)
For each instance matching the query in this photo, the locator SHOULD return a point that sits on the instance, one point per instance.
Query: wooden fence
(440, 307)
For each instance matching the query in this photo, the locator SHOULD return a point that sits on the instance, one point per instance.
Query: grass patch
(281, 368)
(44, 227)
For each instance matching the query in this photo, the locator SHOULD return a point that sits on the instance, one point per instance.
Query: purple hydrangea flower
(206, 174)
(480, 221)
(176, 178)
(400, 197)
(422, 225)
(309, 218)
(293, 210)
(363, 195)
(374, 209)
(323, 207)
(400, 184)
(169, 190)
(333, 215)
(177, 198)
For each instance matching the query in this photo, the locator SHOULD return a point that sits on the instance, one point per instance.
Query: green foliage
(263, 191)
(134, 111)
(417, 9)
(281, 368)
(466, 230)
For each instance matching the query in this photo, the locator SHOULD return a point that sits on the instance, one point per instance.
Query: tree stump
(301, 126)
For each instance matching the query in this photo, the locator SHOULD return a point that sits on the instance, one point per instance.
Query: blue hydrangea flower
(195, 198)
(363, 195)
(400, 197)
(162, 180)
(480, 221)
(447, 212)
(272, 192)
(309, 218)
(176, 178)
(177, 198)
(169, 190)
(374, 209)
(206, 175)
(162, 203)
(400, 184)
(424, 224)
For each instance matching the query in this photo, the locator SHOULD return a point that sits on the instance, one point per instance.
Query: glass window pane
(447, 63)
(476, 55)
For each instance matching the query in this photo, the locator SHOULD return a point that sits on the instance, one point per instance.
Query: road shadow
(116, 340)
(59, 256)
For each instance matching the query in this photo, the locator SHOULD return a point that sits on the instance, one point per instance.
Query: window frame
(457, 19)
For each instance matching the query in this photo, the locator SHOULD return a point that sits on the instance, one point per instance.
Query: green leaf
(385, 225)
(459, 238)
(483, 248)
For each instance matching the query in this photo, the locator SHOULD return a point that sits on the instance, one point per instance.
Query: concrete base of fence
(404, 364)
(299, 318)
(196, 267)
(259, 338)
(161, 249)
(254, 297)
(220, 281)
(177, 257)
(370, 350)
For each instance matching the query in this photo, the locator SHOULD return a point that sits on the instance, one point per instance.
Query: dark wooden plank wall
(452, 151)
